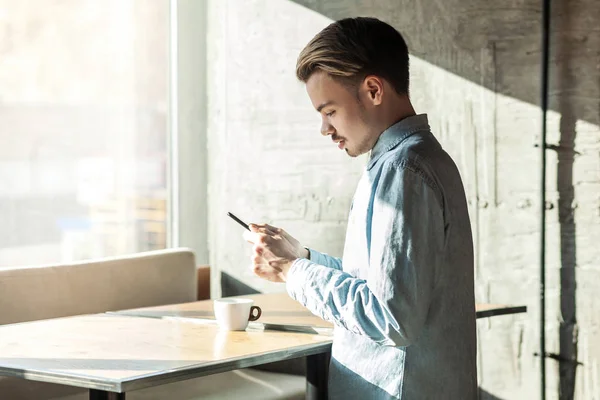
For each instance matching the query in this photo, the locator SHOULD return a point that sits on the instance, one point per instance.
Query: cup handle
(253, 317)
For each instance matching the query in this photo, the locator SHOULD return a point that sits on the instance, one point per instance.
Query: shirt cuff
(296, 279)
(318, 257)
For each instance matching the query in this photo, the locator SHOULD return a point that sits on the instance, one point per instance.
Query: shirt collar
(395, 134)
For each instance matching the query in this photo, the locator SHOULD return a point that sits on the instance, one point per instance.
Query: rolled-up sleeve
(407, 238)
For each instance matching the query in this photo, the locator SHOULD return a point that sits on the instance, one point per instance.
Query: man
(402, 297)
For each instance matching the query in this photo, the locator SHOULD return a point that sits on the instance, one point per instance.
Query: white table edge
(215, 367)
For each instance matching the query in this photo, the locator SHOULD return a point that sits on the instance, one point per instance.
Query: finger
(256, 238)
(276, 265)
(265, 273)
(264, 239)
(265, 227)
(257, 260)
(266, 253)
(263, 231)
(263, 253)
(273, 229)
(255, 227)
(258, 270)
(267, 231)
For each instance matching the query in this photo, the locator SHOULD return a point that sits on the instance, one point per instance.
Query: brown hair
(352, 48)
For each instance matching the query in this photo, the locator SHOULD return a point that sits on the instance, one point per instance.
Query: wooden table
(111, 354)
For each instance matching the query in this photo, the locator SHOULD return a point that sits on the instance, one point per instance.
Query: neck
(393, 111)
(396, 111)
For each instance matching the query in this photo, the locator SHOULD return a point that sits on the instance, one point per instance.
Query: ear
(373, 86)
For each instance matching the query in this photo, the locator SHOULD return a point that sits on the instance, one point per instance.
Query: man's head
(355, 71)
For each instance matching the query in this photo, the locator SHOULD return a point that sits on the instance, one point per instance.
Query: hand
(274, 251)
(261, 268)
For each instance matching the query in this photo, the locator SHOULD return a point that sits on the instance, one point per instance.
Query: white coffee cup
(234, 314)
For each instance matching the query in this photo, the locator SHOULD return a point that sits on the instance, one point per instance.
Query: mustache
(337, 138)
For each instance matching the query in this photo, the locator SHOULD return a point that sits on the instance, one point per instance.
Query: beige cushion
(247, 384)
(96, 286)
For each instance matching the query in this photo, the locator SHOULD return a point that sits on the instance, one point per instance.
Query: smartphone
(239, 221)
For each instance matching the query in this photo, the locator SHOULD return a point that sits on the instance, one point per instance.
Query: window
(83, 129)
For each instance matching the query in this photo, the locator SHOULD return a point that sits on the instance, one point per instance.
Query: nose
(326, 128)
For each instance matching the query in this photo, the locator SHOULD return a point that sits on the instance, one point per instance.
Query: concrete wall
(475, 71)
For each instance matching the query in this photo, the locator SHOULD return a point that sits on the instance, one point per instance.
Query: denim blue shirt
(401, 299)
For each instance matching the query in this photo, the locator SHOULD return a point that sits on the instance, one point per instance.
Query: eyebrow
(323, 105)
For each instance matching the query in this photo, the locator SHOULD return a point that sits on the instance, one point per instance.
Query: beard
(359, 151)
(364, 146)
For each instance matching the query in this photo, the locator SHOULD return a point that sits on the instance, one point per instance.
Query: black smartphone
(239, 221)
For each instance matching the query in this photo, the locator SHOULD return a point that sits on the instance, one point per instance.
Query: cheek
(351, 127)
(343, 121)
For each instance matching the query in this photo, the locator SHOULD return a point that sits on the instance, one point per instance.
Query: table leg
(317, 373)
(104, 395)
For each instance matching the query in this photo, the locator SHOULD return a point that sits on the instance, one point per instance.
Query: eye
(329, 114)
